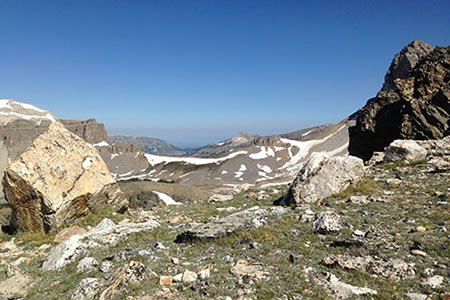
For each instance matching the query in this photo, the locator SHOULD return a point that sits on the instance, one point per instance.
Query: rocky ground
(385, 238)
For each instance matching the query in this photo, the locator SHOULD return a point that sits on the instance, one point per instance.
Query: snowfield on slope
(157, 159)
(304, 148)
(166, 199)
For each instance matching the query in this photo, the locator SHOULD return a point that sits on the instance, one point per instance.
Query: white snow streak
(166, 199)
(264, 153)
(157, 159)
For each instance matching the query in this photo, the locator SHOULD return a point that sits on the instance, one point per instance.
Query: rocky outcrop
(321, 176)
(106, 234)
(241, 221)
(89, 130)
(404, 62)
(58, 179)
(393, 269)
(336, 288)
(416, 107)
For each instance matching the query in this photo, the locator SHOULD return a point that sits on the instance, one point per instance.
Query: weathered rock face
(416, 107)
(21, 123)
(404, 62)
(321, 176)
(89, 130)
(58, 179)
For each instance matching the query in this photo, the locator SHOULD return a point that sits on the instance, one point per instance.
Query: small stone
(175, 260)
(87, 264)
(104, 224)
(416, 296)
(434, 281)
(420, 229)
(393, 181)
(189, 277)
(292, 258)
(160, 246)
(358, 233)
(228, 258)
(418, 252)
(178, 277)
(295, 232)
(204, 274)
(106, 266)
(358, 199)
(165, 280)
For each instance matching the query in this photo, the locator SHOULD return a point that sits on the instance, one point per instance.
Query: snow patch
(306, 133)
(304, 148)
(101, 144)
(264, 153)
(157, 159)
(264, 168)
(166, 199)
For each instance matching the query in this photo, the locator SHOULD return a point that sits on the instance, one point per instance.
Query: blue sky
(194, 72)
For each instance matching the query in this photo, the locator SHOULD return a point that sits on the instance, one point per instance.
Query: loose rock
(189, 277)
(327, 222)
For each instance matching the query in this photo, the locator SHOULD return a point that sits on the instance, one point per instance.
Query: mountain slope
(220, 148)
(252, 160)
(148, 145)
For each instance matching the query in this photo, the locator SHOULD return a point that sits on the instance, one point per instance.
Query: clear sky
(194, 72)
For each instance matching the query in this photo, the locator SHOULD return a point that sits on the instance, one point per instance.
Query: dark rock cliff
(415, 107)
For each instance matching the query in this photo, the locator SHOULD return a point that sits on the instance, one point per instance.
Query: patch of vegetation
(365, 187)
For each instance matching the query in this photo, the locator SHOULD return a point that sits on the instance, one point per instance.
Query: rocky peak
(418, 108)
(404, 62)
(242, 138)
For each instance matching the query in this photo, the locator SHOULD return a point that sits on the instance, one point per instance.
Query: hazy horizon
(197, 72)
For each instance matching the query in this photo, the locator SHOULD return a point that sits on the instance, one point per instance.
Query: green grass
(366, 187)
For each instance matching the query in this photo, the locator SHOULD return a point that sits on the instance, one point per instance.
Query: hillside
(148, 145)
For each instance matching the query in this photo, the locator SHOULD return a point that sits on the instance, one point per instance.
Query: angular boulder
(407, 150)
(321, 176)
(58, 179)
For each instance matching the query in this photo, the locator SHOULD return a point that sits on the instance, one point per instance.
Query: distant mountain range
(148, 144)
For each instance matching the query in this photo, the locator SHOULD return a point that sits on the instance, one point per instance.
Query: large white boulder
(58, 179)
(321, 176)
